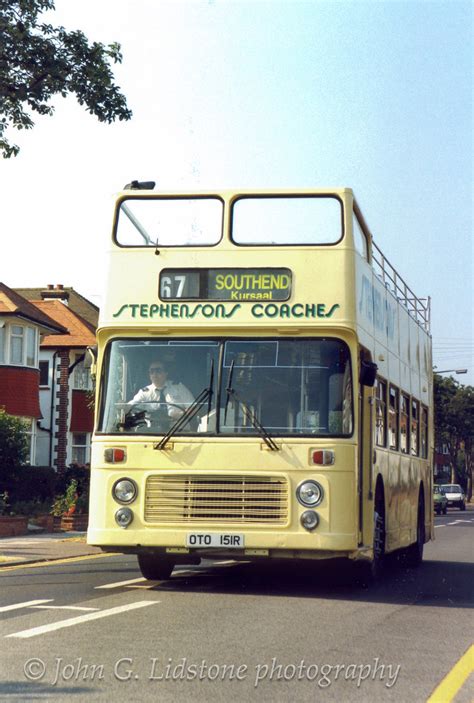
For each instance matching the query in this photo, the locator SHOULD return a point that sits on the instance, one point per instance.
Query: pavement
(44, 547)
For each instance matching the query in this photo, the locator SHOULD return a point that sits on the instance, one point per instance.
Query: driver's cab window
(151, 386)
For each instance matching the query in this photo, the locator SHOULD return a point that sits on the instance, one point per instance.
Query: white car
(455, 495)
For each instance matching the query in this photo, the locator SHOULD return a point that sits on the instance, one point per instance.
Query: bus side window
(360, 239)
(393, 418)
(381, 413)
(405, 424)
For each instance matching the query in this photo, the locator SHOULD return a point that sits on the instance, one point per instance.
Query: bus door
(366, 487)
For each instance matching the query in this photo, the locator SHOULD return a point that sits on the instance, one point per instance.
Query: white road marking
(226, 563)
(26, 604)
(34, 631)
(61, 607)
(460, 520)
(439, 526)
(121, 583)
(185, 571)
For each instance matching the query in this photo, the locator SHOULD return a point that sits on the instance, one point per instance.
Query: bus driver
(165, 400)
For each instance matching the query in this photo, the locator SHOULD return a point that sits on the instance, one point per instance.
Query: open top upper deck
(247, 257)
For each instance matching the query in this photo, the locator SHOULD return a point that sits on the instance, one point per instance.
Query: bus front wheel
(155, 567)
(371, 572)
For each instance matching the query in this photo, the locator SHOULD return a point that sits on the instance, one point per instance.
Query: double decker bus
(264, 384)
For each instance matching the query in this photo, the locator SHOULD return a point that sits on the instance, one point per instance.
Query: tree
(454, 427)
(39, 61)
(13, 444)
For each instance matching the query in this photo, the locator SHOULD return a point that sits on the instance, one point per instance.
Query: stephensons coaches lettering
(209, 311)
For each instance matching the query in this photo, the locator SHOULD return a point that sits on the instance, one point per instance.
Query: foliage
(26, 483)
(454, 427)
(4, 504)
(74, 500)
(31, 508)
(64, 503)
(13, 444)
(80, 474)
(39, 61)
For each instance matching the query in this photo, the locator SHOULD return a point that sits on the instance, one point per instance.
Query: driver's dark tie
(163, 409)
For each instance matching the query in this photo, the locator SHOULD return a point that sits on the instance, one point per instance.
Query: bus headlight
(124, 490)
(123, 517)
(309, 520)
(309, 494)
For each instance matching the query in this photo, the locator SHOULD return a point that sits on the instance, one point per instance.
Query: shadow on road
(447, 585)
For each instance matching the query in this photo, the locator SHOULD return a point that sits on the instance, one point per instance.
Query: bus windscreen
(290, 387)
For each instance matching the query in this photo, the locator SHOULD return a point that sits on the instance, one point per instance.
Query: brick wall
(61, 406)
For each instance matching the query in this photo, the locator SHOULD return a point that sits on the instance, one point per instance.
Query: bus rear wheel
(414, 553)
(155, 567)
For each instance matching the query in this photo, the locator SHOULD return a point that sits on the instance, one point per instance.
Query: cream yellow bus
(264, 384)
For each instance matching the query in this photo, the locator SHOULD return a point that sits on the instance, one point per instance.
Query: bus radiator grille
(235, 499)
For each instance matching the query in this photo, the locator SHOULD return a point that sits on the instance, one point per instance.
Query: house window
(415, 427)
(393, 418)
(44, 373)
(16, 344)
(404, 425)
(80, 448)
(82, 376)
(30, 346)
(381, 413)
(30, 432)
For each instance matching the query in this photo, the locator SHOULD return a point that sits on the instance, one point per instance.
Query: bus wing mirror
(368, 373)
(90, 359)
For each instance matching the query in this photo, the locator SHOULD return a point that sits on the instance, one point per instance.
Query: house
(22, 327)
(64, 434)
(44, 334)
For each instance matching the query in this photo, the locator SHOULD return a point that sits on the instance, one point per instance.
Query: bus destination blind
(225, 284)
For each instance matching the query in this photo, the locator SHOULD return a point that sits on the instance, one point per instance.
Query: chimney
(56, 292)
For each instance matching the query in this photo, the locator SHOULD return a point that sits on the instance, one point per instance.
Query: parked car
(455, 495)
(440, 502)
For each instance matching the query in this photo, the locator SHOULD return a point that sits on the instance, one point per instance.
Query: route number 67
(172, 286)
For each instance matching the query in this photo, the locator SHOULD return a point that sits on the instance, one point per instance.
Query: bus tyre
(371, 571)
(155, 567)
(414, 553)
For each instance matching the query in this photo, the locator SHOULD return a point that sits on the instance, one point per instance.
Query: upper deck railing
(418, 308)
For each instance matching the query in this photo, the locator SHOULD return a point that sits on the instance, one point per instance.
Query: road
(93, 629)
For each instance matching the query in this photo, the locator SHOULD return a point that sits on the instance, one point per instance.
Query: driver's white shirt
(175, 393)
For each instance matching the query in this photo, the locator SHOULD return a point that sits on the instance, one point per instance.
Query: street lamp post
(449, 370)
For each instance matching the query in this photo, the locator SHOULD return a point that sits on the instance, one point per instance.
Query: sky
(375, 96)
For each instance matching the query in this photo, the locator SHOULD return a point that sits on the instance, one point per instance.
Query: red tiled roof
(79, 332)
(14, 305)
(76, 302)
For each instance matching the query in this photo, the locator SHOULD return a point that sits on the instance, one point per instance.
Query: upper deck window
(169, 222)
(287, 220)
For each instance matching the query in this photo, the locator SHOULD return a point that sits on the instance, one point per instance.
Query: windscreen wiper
(249, 414)
(191, 410)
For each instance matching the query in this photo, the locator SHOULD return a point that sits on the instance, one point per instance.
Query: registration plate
(223, 539)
